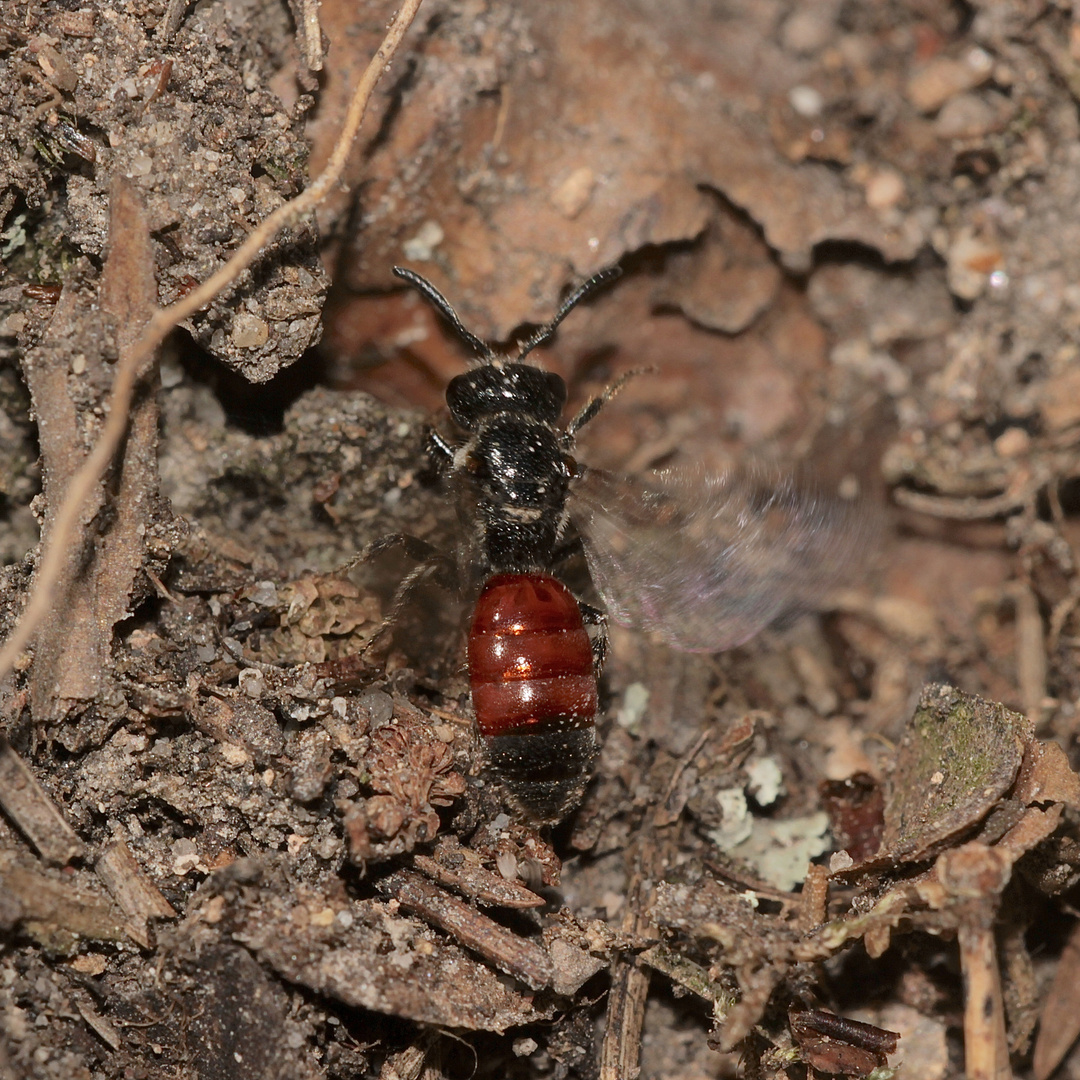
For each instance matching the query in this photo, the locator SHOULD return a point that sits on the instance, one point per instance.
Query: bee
(703, 560)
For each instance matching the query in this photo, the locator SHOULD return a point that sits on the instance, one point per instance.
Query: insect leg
(594, 617)
(417, 574)
(566, 551)
(591, 408)
(416, 549)
(427, 558)
(440, 452)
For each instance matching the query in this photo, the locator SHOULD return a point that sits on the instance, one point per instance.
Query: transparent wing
(708, 560)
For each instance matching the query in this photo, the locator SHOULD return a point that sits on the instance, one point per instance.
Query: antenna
(585, 289)
(442, 305)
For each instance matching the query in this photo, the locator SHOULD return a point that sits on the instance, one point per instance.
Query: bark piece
(377, 959)
(27, 804)
(130, 886)
(58, 913)
(69, 378)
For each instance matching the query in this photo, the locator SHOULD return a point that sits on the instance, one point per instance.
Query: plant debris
(247, 828)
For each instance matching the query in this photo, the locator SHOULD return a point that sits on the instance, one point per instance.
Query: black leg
(596, 618)
(591, 408)
(428, 559)
(440, 452)
(414, 548)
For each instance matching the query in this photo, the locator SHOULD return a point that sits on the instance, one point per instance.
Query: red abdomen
(530, 660)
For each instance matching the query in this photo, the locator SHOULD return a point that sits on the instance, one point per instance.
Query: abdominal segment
(534, 690)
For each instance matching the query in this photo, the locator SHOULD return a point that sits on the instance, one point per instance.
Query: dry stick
(620, 1051)
(164, 320)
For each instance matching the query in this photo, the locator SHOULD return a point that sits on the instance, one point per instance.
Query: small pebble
(264, 594)
(971, 260)
(884, 189)
(249, 331)
(379, 706)
(806, 101)
(944, 77)
(573, 194)
(421, 247)
(966, 116)
(1012, 442)
(252, 683)
(808, 30)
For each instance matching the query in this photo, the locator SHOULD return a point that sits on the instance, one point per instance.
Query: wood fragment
(58, 913)
(1031, 664)
(969, 509)
(620, 1054)
(835, 1045)
(98, 1023)
(28, 805)
(309, 34)
(620, 1051)
(815, 897)
(671, 805)
(971, 878)
(71, 657)
(408, 1064)
(510, 953)
(130, 886)
(693, 976)
(171, 19)
(460, 868)
(384, 960)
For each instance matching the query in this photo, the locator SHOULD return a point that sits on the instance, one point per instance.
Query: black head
(500, 388)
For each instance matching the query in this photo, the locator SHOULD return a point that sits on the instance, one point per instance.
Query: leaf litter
(847, 242)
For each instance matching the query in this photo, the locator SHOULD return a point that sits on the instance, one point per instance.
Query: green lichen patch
(959, 756)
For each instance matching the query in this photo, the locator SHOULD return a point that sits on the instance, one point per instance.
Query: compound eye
(556, 387)
(461, 400)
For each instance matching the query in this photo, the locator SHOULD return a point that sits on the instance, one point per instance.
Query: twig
(1064, 607)
(666, 814)
(164, 320)
(620, 1051)
(514, 955)
(970, 509)
(308, 32)
(620, 1054)
(1031, 661)
(986, 1051)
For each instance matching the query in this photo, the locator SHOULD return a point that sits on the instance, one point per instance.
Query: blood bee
(532, 667)
(704, 560)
